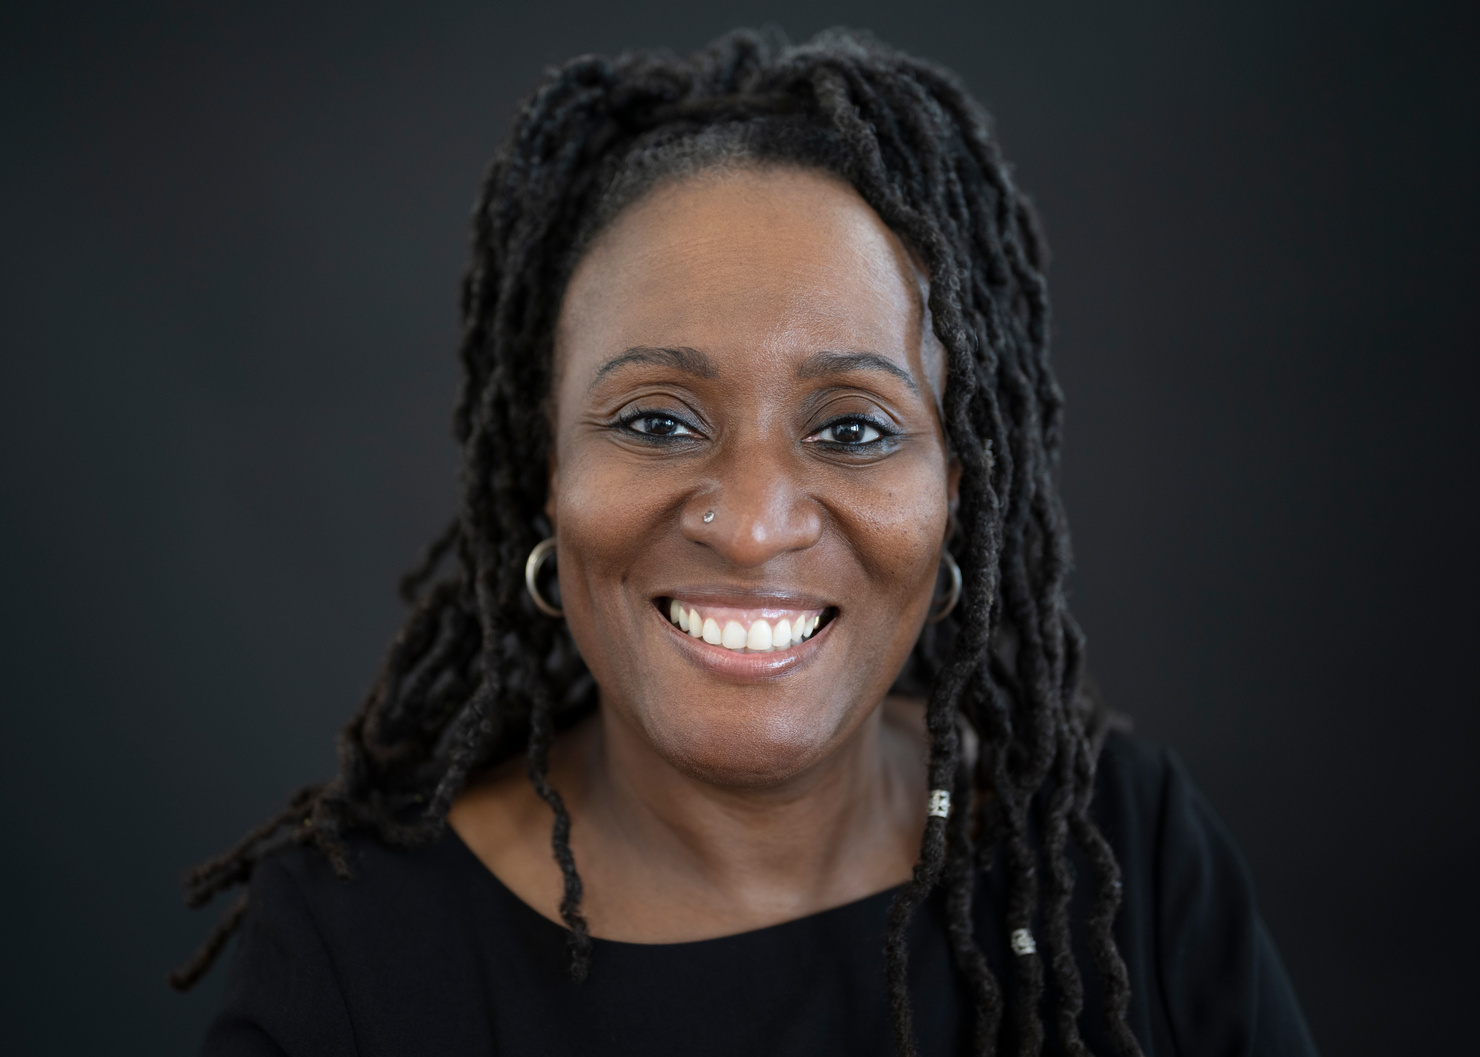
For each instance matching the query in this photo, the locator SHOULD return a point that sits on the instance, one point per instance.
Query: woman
(755, 358)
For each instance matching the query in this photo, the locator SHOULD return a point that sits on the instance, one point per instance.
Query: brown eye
(660, 426)
(657, 424)
(849, 432)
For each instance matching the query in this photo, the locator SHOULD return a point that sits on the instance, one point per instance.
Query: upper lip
(747, 597)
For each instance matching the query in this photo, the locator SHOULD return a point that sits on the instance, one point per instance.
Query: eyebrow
(679, 357)
(693, 361)
(825, 363)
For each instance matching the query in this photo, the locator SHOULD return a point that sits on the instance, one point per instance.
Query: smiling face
(749, 480)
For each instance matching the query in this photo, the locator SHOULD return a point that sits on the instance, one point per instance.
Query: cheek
(608, 521)
(897, 530)
(601, 523)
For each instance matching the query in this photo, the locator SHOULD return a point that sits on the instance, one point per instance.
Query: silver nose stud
(708, 516)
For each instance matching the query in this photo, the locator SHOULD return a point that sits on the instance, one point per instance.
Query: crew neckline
(858, 906)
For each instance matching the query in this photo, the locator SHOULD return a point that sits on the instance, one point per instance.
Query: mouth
(769, 629)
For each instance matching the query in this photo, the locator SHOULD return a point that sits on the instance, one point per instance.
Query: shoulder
(391, 893)
(1177, 858)
(1189, 927)
(365, 964)
(1147, 805)
(283, 993)
(1132, 772)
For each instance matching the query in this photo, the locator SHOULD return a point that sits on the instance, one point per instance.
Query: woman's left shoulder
(1132, 776)
(1150, 810)
(1189, 926)
(1182, 873)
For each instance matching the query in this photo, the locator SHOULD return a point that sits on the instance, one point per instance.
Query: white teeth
(761, 637)
(734, 636)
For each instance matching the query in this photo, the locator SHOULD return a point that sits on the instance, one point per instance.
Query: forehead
(752, 263)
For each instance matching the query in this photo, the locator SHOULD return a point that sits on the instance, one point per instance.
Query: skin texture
(710, 797)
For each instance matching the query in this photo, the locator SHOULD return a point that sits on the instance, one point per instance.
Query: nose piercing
(708, 516)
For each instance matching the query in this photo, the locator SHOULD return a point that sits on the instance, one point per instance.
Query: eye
(849, 433)
(657, 424)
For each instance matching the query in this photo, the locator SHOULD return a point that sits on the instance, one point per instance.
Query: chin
(742, 746)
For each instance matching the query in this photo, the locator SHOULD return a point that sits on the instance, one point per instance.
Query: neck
(722, 857)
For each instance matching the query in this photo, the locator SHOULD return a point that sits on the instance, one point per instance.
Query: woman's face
(749, 479)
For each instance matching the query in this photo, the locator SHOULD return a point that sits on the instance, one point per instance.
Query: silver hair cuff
(1022, 942)
(939, 804)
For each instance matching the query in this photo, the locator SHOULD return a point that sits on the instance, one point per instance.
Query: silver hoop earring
(954, 596)
(542, 550)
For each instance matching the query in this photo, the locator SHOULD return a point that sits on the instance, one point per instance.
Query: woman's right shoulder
(300, 888)
(325, 962)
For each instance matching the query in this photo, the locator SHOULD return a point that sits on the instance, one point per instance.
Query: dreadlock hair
(476, 675)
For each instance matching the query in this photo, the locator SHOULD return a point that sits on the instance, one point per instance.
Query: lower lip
(744, 667)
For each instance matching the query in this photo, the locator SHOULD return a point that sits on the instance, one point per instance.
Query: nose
(760, 510)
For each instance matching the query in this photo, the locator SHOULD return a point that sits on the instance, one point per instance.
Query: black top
(426, 952)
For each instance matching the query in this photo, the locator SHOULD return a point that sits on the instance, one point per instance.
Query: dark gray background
(231, 240)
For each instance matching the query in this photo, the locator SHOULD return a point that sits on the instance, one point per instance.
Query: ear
(552, 488)
(953, 495)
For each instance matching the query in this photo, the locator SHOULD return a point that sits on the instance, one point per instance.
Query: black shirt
(426, 952)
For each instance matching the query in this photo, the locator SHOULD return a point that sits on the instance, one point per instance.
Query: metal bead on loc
(939, 804)
(1022, 942)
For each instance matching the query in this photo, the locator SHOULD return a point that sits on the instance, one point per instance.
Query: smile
(743, 630)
